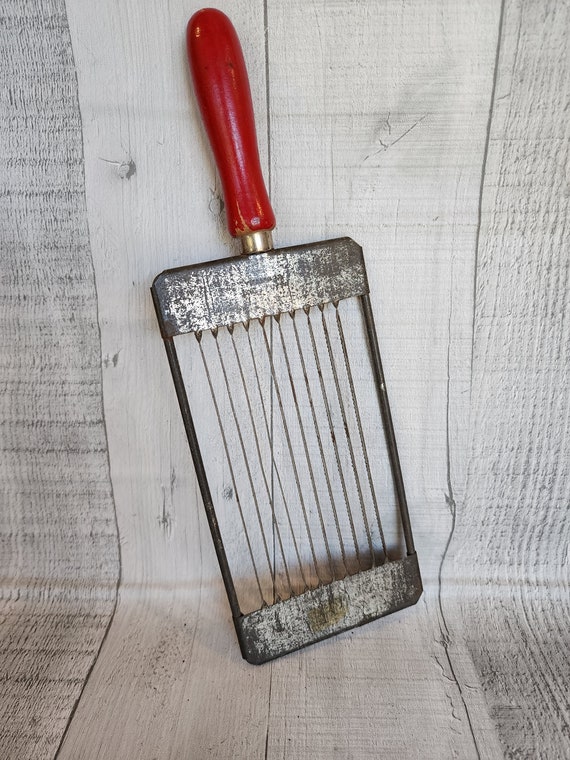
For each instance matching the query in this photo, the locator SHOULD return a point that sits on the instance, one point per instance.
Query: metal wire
(333, 438)
(274, 464)
(359, 425)
(243, 449)
(229, 461)
(341, 410)
(305, 446)
(290, 448)
(269, 490)
(347, 431)
(322, 454)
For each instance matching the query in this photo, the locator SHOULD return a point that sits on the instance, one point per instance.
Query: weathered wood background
(434, 132)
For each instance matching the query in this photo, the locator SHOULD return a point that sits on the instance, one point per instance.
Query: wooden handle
(222, 91)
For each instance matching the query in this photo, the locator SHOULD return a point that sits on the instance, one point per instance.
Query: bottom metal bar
(323, 612)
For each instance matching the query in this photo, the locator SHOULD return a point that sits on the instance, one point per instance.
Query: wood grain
(58, 536)
(169, 681)
(435, 134)
(509, 554)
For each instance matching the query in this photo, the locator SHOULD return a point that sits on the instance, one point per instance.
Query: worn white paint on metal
(330, 609)
(380, 128)
(230, 291)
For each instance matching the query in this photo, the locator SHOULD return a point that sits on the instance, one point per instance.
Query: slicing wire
(347, 431)
(305, 446)
(267, 486)
(333, 436)
(274, 464)
(322, 454)
(251, 445)
(359, 425)
(246, 459)
(260, 457)
(232, 476)
(290, 447)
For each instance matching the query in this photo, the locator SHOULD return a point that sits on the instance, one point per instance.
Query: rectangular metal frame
(221, 293)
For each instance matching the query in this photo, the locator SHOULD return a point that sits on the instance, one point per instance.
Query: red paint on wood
(222, 91)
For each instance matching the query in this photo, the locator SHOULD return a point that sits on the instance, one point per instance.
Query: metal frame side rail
(388, 424)
(200, 470)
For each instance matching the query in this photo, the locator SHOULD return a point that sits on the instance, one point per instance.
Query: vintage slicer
(278, 376)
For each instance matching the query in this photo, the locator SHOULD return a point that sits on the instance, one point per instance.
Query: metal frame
(221, 293)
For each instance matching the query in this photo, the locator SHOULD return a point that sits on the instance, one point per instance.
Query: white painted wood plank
(58, 538)
(510, 549)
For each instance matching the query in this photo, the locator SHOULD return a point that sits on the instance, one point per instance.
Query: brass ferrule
(257, 242)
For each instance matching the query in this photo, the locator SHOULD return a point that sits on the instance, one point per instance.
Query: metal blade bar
(387, 420)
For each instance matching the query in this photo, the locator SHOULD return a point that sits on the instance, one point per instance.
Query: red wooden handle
(222, 91)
